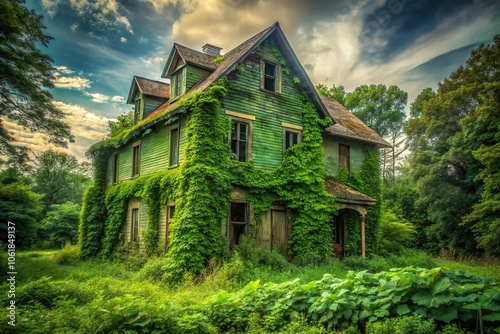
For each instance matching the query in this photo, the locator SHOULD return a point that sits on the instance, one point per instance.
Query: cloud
(87, 127)
(154, 60)
(123, 40)
(98, 97)
(63, 79)
(118, 99)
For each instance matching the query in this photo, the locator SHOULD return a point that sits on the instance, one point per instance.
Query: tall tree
(454, 135)
(123, 122)
(58, 180)
(25, 75)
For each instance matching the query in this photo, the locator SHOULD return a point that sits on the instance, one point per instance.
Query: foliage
(19, 205)
(454, 134)
(123, 122)
(217, 60)
(57, 178)
(25, 75)
(60, 225)
(396, 233)
(402, 325)
(337, 93)
(69, 254)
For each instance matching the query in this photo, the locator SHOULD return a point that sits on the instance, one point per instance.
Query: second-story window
(270, 76)
(291, 138)
(177, 83)
(344, 157)
(174, 147)
(115, 168)
(134, 233)
(137, 111)
(239, 140)
(136, 159)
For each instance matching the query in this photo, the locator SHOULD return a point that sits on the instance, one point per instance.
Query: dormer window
(270, 78)
(177, 83)
(137, 111)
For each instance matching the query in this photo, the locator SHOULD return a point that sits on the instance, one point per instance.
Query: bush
(254, 254)
(154, 269)
(60, 225)
(402, 325)
(69, 254)
(395, 233)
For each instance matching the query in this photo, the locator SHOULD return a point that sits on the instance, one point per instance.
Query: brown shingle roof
(195, 57)
(345, 194)
(349, 126)
(153, 88)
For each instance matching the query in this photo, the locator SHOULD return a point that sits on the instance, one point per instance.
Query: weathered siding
(162, 226)
(193, 76)
(269, 109)
(150, 103)
(331, 155)
(125, 163)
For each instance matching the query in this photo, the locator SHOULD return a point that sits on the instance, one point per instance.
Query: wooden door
(279, 231)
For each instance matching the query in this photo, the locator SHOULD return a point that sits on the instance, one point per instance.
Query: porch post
(363, 246)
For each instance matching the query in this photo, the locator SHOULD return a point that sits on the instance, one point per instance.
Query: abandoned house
(266, 88)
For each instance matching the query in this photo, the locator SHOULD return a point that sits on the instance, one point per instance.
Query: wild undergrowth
(237, 297)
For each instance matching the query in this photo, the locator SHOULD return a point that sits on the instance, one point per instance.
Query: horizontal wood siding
(269, 109)
(155, 150)
(183, 139)
(162, 225)
(132, 203)
(109, 170)
(331, 155)
(194, 75)
(150, 104)
(125, 163)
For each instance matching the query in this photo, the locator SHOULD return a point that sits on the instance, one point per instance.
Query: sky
(99, 45)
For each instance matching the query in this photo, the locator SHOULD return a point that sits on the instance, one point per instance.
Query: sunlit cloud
(118, 99)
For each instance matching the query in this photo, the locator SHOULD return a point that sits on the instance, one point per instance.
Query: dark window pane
(234, 129)
(171, 212)
(174, 147)
(242, 156)
(135, 224)
(270, 69)
(243, 131)
(291, 138)
(269, 84)
(238, 212)
(238, 231)
(234, 146)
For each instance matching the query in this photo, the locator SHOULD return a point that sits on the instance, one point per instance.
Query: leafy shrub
(453, 329)
(254, 254)
(154, 269)
(396, 233)
(402, 325)
(69, 254)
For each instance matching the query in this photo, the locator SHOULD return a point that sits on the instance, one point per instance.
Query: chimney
(211, 50)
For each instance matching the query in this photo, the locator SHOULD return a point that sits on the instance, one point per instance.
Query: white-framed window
(240, 137)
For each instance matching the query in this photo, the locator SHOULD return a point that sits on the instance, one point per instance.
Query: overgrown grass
(56, 294)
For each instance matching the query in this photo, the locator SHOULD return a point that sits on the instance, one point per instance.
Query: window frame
(177, 85)
(348, 167)
(232, 224)
(136, 159)
(133, 236)
(137, 110)
(169, 216)
(277, 76)
(242, 118)
(176, 149)
(116, 168)
(291, 128)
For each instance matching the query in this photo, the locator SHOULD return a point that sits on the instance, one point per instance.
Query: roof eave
(131, 93)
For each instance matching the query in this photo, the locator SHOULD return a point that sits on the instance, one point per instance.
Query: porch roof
(344, 194)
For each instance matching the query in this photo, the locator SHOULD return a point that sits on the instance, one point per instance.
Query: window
(170, 215)
(174, 147)
(344, 157)
(137, 111)
(291, 138)
(136, 159)
(134, 236)
(177, 83)
(115, 168)
(270, 76)
(240, 140)
(238, 222)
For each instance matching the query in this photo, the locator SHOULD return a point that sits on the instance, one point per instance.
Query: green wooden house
(292, 179)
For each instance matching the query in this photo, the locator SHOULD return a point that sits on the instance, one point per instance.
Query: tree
(57, 178)
(60, 225)
(25, 75)
(123, 122)
(336, 93)
(455, 134)
(19, 205)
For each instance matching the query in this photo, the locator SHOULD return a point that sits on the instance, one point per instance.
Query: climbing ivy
(367, 181)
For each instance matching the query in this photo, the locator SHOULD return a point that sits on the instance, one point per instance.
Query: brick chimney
(211, 50)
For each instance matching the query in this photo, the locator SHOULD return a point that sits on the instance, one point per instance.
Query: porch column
(362, 225)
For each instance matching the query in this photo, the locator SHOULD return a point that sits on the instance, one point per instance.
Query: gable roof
(148, 87)
(232, 58)
(188, 56)
(349, 126)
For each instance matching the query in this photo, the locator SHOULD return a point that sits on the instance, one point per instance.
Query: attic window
(270, 78)
(137, 111)
(177, 83)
